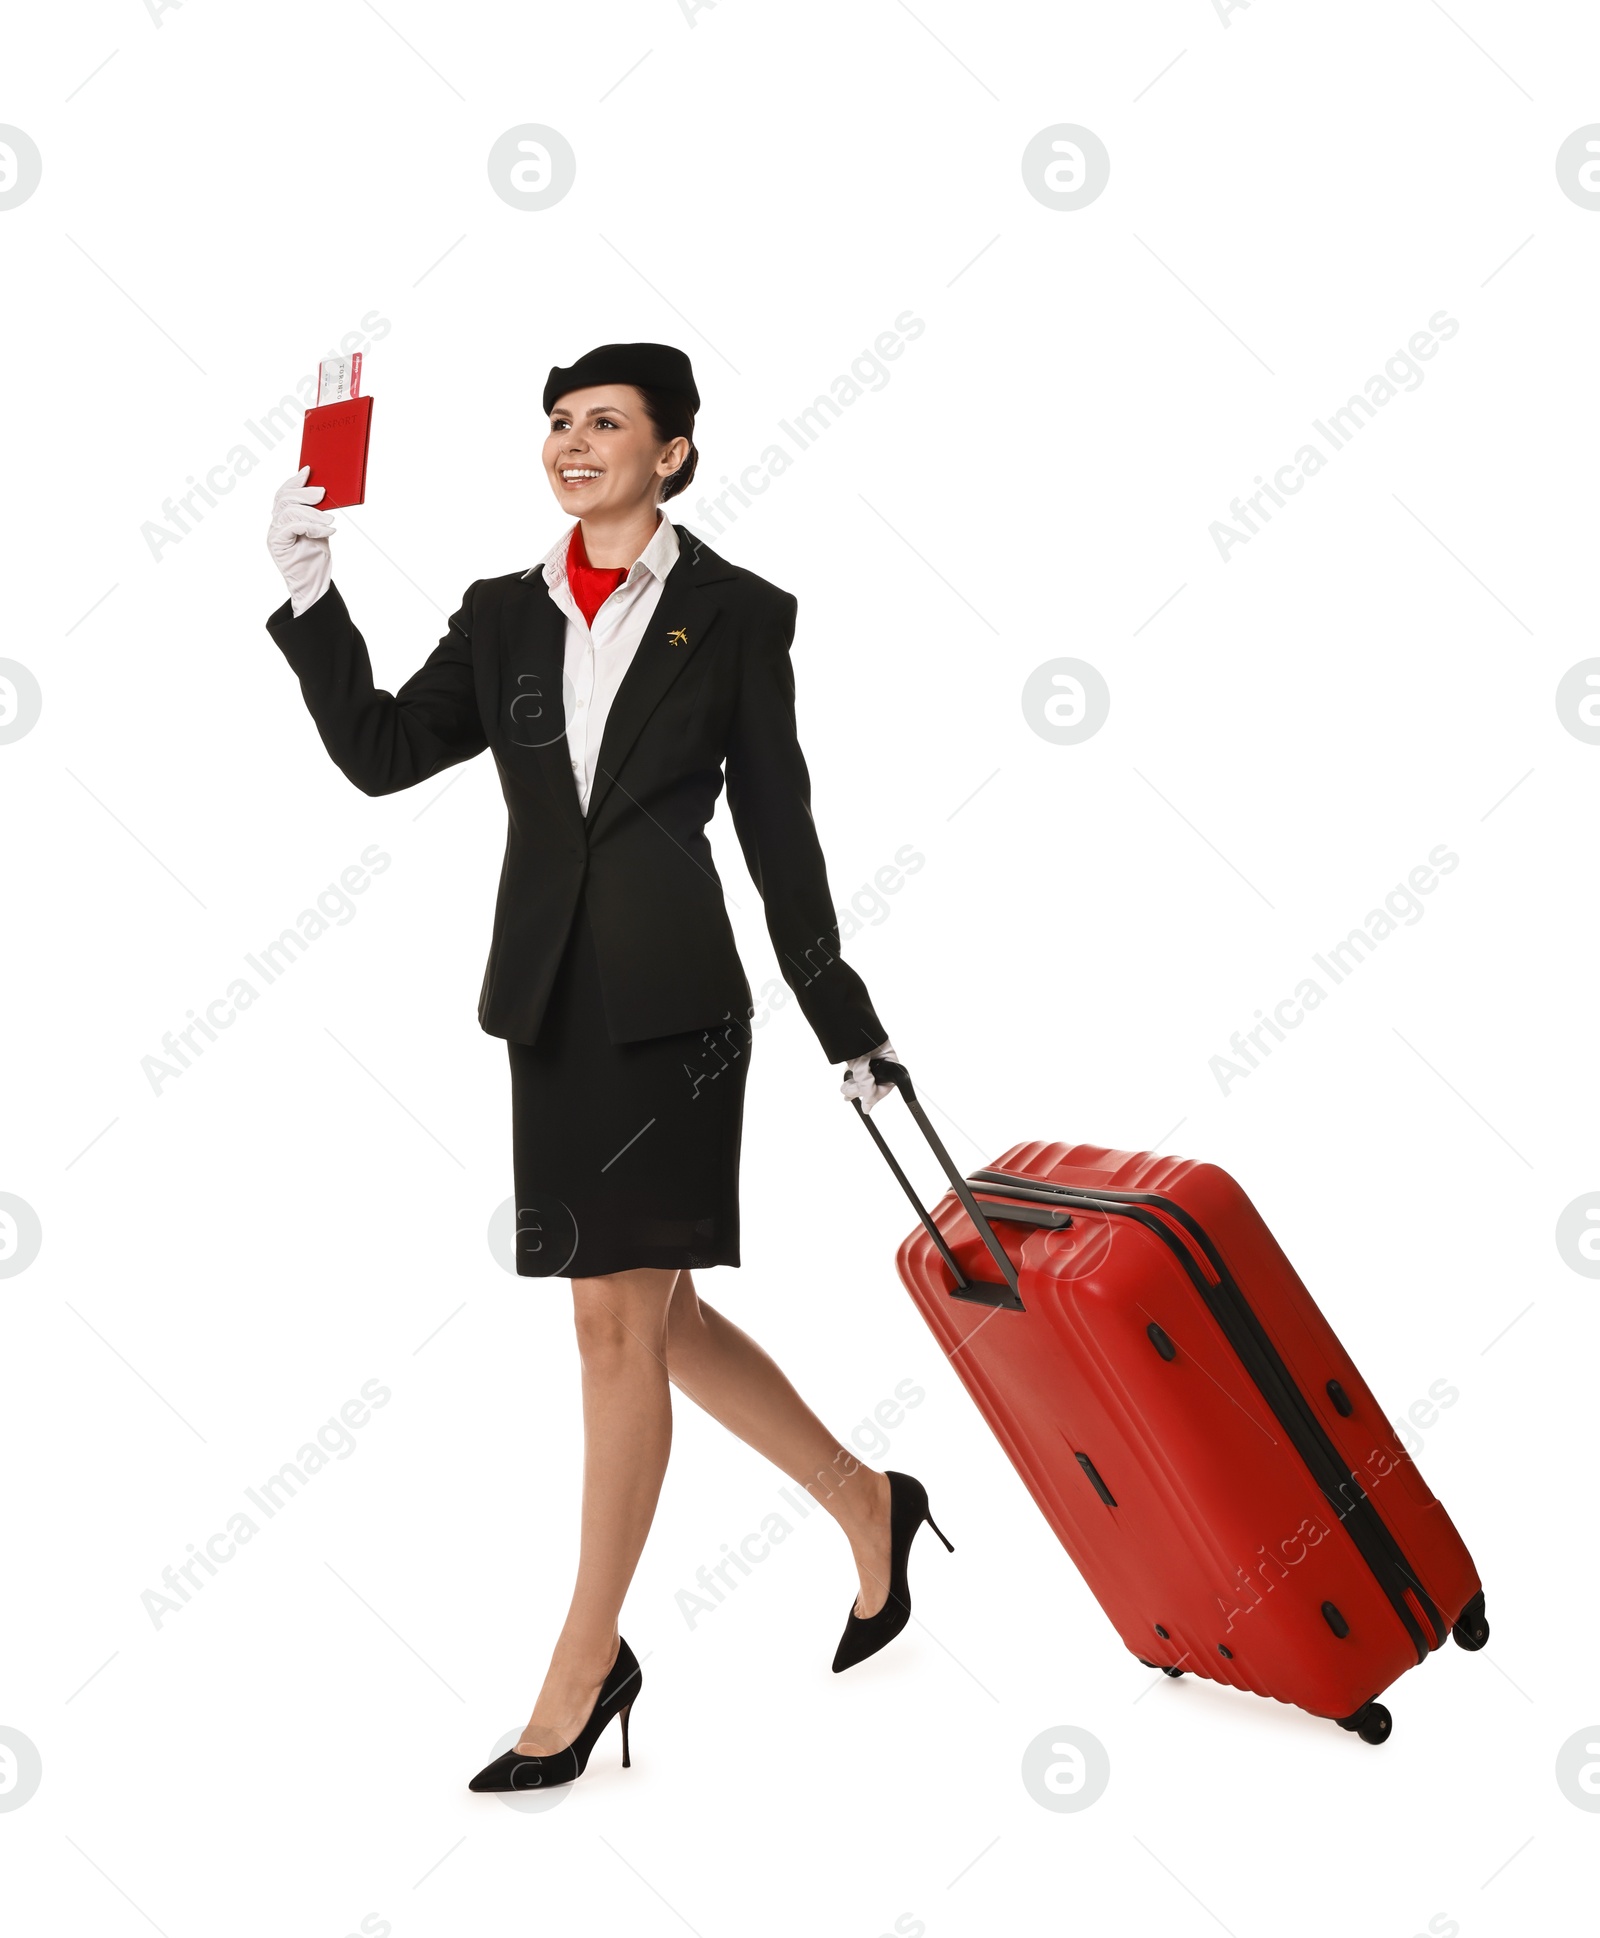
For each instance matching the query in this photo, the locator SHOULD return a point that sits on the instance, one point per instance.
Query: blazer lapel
(533, 699)
(684, 614)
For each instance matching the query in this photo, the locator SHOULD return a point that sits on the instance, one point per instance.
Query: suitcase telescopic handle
(981, 1291)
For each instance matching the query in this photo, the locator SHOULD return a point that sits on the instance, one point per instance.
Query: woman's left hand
(859, 1080)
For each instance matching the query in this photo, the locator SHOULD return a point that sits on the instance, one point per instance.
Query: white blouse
(597, 657)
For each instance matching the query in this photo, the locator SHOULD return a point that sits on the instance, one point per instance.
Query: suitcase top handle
(980, 1291)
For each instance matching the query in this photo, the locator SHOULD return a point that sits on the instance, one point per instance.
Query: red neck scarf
(591, 585)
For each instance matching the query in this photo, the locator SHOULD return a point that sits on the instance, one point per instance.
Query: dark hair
(670, 417)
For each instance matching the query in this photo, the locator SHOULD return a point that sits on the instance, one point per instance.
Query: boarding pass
(339, 379)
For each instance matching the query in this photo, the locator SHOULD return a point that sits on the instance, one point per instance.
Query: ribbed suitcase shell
(1221, 1549)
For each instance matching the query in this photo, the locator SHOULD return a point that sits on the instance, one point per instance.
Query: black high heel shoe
(616, 1697)
(864, 1635)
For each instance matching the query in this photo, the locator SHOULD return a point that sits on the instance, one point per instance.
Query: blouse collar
(657, 558)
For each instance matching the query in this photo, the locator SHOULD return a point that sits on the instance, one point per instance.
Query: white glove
(297, 538)
(860, 1081)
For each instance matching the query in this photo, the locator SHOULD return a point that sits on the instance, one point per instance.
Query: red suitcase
(1187, 1421)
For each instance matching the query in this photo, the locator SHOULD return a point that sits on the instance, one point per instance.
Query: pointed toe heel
(617, 1695)
(864, 1635)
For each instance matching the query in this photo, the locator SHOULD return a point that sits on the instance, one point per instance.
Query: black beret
(649, 366)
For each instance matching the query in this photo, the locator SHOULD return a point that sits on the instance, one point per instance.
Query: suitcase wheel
(1371, 1722)
(1471, 1629)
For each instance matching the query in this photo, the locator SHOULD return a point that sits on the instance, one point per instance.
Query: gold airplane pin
(679, 638)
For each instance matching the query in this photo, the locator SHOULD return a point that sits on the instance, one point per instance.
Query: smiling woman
(613, 970)
(601, 460)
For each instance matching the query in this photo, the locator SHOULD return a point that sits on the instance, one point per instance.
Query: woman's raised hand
(297, 538)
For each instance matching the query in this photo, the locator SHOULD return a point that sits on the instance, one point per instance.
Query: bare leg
(621, 1322)
(722, 1369)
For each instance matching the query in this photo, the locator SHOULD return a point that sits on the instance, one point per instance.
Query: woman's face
(602, 454)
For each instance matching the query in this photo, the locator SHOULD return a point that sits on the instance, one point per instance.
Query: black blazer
(711, 683)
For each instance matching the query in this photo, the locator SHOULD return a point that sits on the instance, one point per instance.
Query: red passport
(333, 442)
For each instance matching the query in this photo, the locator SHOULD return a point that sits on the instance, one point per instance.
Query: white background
(232, 188)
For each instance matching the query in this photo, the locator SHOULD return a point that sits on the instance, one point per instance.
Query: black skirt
(625, 1154)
